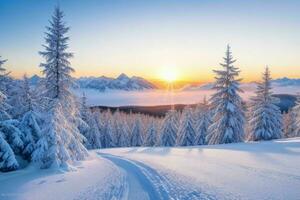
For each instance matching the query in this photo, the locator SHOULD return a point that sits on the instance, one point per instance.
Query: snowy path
(146, 183)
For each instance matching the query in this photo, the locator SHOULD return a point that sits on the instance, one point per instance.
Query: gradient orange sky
(151, 38)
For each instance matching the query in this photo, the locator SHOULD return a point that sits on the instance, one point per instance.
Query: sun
(169, 75)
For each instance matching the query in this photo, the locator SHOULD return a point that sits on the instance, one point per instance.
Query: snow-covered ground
(264, 170)
(161, 97)
(92, 179)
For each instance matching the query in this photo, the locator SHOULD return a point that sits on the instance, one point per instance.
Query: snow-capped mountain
(286, 82)
(102, 83)
(122, 82)
(251, 86)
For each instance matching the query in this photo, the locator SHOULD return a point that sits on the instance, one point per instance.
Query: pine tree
(136, 133)
(266, 119)
(2, 69)
(27, 96)
(93, 134)
(30, 127)
(228, 115)
(4, 78)
(124, 135)
(118, 126)
(15, 98)
(203, 121)
(10, 139)
(90, 129)
(10, 136)
(84, 110)
(8, 160)
(290, 124)
(107, 130)
(61, 142)
(168, 132)
(296, 111)
(151, 135)
(186, 131)
(30, 121)
(99, 119)
(4, 107)
(121, 133)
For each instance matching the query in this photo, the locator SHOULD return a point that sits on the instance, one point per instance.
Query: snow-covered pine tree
(11, 89)
(4, 107)
(124, 135)
(90, 130)
(2, 69)
(8, 160)
(4, 78)
(151, 134)
(136, 133)
(14, 97)
(168, 131)
(290, 124)
(121, 133)
(107, 129)
(296, 110)
(228, 116)
(203, 121)
(10, 139)
(61, 142)
(84, 109)
(93, 135)
(117, 123)
(100, 122)
(30, 121)
(266, 118)
(186, 132)
(27, 97)
(30, 127)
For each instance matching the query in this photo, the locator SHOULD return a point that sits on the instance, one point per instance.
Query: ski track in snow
(154, 185)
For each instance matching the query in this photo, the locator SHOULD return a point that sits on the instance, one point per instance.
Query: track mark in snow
(41, 182)
(154, 185)
(139, 185)
(60, 180)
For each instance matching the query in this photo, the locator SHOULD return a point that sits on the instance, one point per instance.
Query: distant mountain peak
(123, 76)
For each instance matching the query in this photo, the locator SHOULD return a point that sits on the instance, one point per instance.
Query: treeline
(48, 126)
(188, 127)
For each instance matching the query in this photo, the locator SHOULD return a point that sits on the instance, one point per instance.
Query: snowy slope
(265, 170)
(93, 179)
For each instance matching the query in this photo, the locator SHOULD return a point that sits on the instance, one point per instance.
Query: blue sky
(146, 37)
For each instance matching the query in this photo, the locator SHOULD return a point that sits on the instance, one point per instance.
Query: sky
(159, 38)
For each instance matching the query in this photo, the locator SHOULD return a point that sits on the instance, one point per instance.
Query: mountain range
(103, 83)
(134, 83)
(281, 82)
